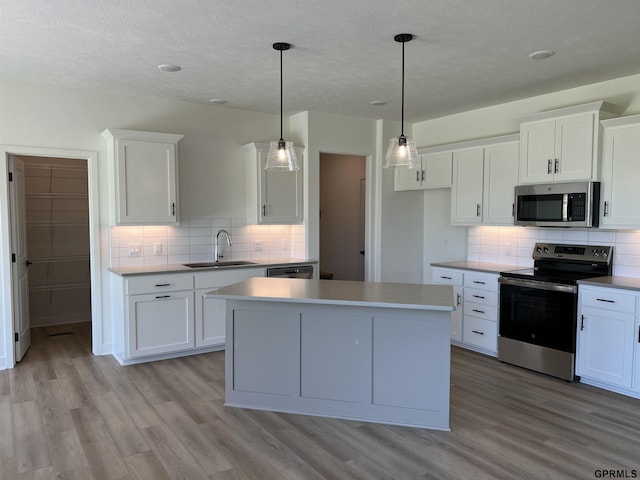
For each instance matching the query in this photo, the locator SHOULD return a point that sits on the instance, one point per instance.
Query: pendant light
(282, 156)
(402, 150)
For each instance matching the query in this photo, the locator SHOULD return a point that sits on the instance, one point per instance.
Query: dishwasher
(298, 271)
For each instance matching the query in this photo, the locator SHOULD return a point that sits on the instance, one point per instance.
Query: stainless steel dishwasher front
(297, 271)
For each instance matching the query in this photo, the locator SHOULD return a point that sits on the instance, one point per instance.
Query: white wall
(211, 165)
(493, 121)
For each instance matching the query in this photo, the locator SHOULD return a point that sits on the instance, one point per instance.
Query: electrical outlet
(157, 248)
(257, 245)
(135, 249)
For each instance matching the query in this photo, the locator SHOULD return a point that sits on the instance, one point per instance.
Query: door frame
(6, 285)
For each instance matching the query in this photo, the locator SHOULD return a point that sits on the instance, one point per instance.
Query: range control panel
(581, 253)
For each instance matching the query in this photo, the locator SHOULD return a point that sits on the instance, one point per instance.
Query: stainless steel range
(538, 306)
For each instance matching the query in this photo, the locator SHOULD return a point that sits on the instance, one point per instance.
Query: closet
(57, 217)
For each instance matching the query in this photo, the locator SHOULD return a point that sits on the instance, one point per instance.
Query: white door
(20, 262)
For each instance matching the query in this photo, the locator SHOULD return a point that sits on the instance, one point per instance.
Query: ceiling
(466, 54)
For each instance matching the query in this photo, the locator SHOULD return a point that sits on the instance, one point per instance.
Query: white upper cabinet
(620, 173)
(466, 195)
(561, 145)
(272, 197)
(435, 172)
(484, 179)
(144, 186)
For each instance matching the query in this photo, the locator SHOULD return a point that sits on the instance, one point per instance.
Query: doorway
(56, 217)
(342, 216)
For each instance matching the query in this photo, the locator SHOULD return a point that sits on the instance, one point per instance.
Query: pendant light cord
(281, 112)
(402, 118)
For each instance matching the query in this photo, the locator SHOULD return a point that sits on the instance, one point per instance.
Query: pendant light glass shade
(281, 156)
(402, 150)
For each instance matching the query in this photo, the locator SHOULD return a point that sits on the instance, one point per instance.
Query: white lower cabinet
(160, 323)
(474, 323)
(210, 319)
(164, 315)
(158, 315)
(607, 352)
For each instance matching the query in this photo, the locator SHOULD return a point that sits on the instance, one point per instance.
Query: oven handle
(555, 287)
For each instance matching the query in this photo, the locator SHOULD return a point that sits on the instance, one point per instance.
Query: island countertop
(342, 292)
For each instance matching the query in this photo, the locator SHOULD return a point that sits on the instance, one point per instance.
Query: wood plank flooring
(66, 414)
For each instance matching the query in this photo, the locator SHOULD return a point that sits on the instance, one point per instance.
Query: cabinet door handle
(513, 209)
(457, 299)
(476, 331)
(479, 311)
(478, 296)
(605, 300)
(478, 281)
(638, 334)
(549, 167)
(162, 284)
(477, 209)
(556, 168)
(264, 210)
(423, 175)
(606, 208)
(582, 323)
(173, 209)
(446, 278)
(417, 175)
(163, 296)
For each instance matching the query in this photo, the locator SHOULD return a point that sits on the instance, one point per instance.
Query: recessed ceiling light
(165, 67)
(377, 103)
(217, 101)
(541, 54)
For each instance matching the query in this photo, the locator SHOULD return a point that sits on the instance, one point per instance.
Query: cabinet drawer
(446, 276)
(481, 333)
(608, 299)
(222, 278)
(483, 281)
(487, 312)
(158, 283)
(483, 297)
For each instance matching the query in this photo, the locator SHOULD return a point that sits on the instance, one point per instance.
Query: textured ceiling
(467, 53)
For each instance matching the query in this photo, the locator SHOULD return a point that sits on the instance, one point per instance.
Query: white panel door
(574, 148)
(210, 320)
(281, 194)
(466, 194)
(606, 342)
(146, 183)
(19, 272)
(160, 323)
(500, 180)
(437, 168)
(537, 151)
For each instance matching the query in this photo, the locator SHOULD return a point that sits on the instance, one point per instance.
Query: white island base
(376, 352)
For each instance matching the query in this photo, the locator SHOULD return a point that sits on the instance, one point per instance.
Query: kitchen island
(375, 352)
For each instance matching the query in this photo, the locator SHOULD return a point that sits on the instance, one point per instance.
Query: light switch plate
(157, 248)
(135, 249)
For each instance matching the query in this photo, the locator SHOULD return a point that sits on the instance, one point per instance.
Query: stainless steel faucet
(217, 255)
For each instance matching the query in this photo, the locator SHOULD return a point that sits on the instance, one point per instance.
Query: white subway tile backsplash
(193, 239)
(514, 245)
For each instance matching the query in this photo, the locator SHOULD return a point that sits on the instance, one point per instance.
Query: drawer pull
(163, 284)
(582, 323)
(478, 296)
(458, 300)
(163, 296)
(446, 278)
(476, 331)
(479, 282)
(478, 311)
(605, 300)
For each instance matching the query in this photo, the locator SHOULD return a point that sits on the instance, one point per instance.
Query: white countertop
(177, 267)
(341, 292)
(477, 266)
(626, 283)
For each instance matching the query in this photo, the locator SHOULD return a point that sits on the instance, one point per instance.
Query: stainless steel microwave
(573, 204)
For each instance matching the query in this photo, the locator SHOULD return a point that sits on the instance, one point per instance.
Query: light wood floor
(66, 414)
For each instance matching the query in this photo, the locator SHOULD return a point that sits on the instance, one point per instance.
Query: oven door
(539, 313)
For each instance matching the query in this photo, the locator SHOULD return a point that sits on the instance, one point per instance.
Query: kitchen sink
(218, 264)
